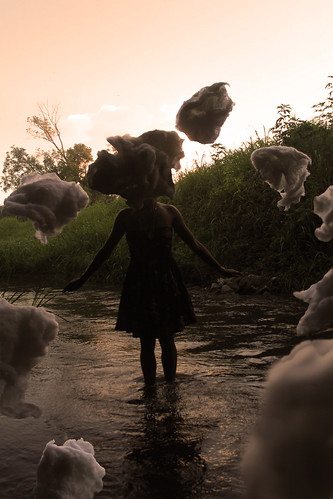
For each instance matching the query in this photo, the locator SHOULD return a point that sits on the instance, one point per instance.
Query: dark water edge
(183, 439)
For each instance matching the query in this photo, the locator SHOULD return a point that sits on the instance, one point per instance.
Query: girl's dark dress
(154, 300)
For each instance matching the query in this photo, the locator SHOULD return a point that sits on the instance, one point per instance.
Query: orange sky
(126, 67)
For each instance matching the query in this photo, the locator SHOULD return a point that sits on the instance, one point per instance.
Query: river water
(179, 440)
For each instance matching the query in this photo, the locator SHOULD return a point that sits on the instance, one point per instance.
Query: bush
(234, 213)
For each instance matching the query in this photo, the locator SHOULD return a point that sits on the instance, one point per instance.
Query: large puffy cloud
(323, 207)
(48, 201)
(25, 333)
(69, 471)
(140, 169)
(284, 169)
(290, 455)
(202, 116)
(319, 315)
(168, 142)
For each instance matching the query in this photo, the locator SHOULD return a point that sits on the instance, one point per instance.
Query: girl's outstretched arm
(117, 233)
(186, 235)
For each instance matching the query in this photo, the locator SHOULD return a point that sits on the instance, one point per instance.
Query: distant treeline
(226, 205)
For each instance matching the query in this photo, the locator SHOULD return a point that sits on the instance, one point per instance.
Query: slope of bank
(225, 204)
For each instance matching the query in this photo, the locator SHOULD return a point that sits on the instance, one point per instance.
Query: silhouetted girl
(154, 303)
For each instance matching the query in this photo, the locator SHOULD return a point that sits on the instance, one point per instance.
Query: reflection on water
(165, 459)
(183, 439)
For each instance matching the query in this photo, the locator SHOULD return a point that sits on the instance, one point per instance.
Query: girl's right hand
(230, 272)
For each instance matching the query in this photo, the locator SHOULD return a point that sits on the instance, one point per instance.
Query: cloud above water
(323, 207)
(319, 315)
(69, 471)
(290, 455)
(48, 201)
(285, 170)
(25, 333)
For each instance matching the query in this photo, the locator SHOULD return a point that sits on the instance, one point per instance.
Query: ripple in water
(178, 440)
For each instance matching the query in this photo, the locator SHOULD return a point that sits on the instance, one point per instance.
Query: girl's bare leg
(169, 357)
(148, 360)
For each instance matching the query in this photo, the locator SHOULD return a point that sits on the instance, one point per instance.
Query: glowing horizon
(117, 68)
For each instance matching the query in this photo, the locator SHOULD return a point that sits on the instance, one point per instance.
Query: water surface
(179, 440)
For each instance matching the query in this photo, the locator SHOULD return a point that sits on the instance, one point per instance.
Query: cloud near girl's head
(140, 168)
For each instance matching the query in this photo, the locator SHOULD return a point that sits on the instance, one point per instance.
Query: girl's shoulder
(172, 211)
(170, 208)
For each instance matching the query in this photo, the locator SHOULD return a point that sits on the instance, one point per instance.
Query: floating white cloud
(69, 471)
(319, 315)
(323, 207)
(80, 117)
(291, 453)
(110, 108)
(48, 201)
(25, 333)
(202, 116)
(284, 169)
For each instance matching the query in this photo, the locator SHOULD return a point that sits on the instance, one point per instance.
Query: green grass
(234, 213)
(64, 256)
(225, 204)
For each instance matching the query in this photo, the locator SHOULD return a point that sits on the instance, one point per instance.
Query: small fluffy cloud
(25, 333)
(291, 452)
(284, 169)
(140, 169)
(168, 142)
(84, 118)
(319, 315)
(48, 201)
(202, 116)
(91, 128)
(110, 108)
(323, 207)
(69, 471)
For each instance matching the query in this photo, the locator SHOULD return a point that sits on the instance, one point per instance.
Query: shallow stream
(179, 440)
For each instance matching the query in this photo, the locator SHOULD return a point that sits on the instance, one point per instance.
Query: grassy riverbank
(235, 214)
(24, 259)
(225, 204)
